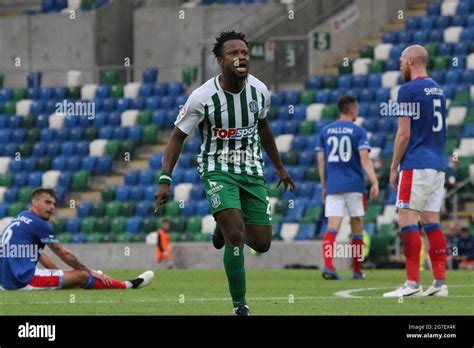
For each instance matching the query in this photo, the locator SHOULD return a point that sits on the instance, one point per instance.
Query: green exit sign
(322, 41)
(257, 50)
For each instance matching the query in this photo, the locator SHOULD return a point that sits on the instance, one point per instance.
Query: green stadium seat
(127, 209)
(127, 147)
(90, 133)
(74, 93)
(305, 128)
(272, 113)
(367, 52)
(2, 78)
(379, 246)
(150, 133)
(451, 145)
(277, 218)
(389, 229)
(24, 196)
(108, 238)
(441, 63)
(117, 226)
(94, 238)
(454, 131)
(58, 226)
(87, 4)
(97, 209)
(291, 158)
(376, 66)
(311, 215)
(108, 194)
(112, 209)
(462, 98)
(124, 238)
(281, 207)
(116, 91)
(312, 174)
(274, 191)
(175, 237)
(463, 167)
(102, 225)
(432, 48)
(373, 210)
(88, 225)
(112, 148)
(193, 225)
(329, 112)
(15, 208)
(9, 108)
(139, 238)
(110, 77)
(470, 116)
(345, 68)
(80, 180)
(6, 179)
(173, 209)
(330, 81)
(144, 117)
(178, 224)
(25, 149)
(43, 164)
(65, 238)
(18, 94)
(471, 46)
(148, 225)
(308, 97)
(201, 237)
(28, 122)
(189, 75)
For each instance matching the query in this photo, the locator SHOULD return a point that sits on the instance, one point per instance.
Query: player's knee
(262, 247)
(234, 235)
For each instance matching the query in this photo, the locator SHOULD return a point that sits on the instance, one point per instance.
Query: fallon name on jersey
(228, 125)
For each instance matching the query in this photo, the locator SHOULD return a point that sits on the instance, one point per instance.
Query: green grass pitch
(269, 292)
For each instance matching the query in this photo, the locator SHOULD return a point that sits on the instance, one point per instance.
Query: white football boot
(404, 291)
(437, 290)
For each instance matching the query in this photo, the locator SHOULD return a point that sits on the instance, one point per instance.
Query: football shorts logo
(253, 106)
(215, 200)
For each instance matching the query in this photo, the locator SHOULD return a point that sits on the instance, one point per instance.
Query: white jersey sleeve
(266, 104)
(190, 115)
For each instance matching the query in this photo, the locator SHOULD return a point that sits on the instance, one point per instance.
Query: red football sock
(437, 250)
(329, 240)
(95, 283)
(411, 249)
(357, 245)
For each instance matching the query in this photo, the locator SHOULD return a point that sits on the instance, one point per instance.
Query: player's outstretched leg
(411, 248)
(81, 279)
(231, 224)
(437, 254)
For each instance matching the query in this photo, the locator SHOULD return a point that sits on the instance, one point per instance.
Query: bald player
(417, 171)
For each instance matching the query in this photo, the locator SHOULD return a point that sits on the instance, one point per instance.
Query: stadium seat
(289, 231)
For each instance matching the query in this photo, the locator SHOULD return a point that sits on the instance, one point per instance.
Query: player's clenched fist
(162, 196)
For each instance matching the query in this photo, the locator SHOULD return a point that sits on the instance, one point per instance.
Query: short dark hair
(345, 102)
(465, 229)
(226, 36)
(40, 190)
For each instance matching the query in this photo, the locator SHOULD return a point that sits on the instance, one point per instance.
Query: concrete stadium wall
(200, 255)
(55, 43)
(373, 14)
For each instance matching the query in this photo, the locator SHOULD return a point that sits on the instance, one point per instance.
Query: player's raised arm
(401, 143)
(268, 142)
(369, 170)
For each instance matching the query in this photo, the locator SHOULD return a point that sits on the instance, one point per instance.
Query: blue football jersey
(425, 103)
(21, 244)
(341, 141)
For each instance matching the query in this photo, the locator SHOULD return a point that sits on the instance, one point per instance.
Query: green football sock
(235, 271)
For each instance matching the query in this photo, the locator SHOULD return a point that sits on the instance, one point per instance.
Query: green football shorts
(244, 192)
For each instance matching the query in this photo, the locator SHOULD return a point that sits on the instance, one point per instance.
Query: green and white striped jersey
(228, 124)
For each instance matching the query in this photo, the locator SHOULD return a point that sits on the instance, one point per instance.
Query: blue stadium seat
(29, 164)
(334, 95)
(392, 65)
(322, 96)
(459, 20)
(142, 209)
(282, 113)
(145, 177)
(68, 148)
(65, 179)
(290, 127)
(311, 142)
(305, 189)
(277, 99)
(269, 174)
(427, 22)
(434, 9)
(14, 122)
(53, 149)
(412, 23)
(20, 180)
(47, 135)
(445, 49)
(10, 150)
(42, 121)
(5, 136)
(72, 226)
(136, 193)
(46, 93)
(420, 37)
(461, 48)
(294, 214)
(296, 173)
(161, 89)
(468, 77)
(35, 179)
(32, 93)
(299, 113)
(315, 82)
(378, 139)
(307, 158)
(60, 93)
(470, 21)
(122, 193)
(83, 209)
(345, 81)
(170, 119)
(197, 192)
(387, 149)
(185, 160)
(436, 35)
(18, 135)
(374, 80)
(442, 22)
(73, 163)
(5, 94)
(102, 91)
(175, 89)
(82, 148)
(156, 161)
(120, 133)
(88, 163)
(382, 95)
(108, 104)
(438, 76)
(98, 104)
(192, 176)
(10, 195)
(123, 104)
(468, 131)
(167, 102)
(146, 90)
(370, 124)
(467, 35)
(390, 37)
(366, 95)
(189, 208)
(131, 177)
(152, 103)
(138, 103)
(193, 145)
(133, 224)
(202, 208)
(150, 75)
(79, 238)
(359, 81)
(104, 164)
(453, 76)
(106, 132)
(3, 210)
(159, 117)
(181, 100)
(306, 232)
(299, 143)
(70, 121)
(384, 125)
(149, 194)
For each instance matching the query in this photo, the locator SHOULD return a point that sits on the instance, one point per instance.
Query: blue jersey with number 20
(341, 142)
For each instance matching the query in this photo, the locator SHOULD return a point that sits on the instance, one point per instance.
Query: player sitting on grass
(30, 232)
(343, 150)
(230, 111)
(419, 155)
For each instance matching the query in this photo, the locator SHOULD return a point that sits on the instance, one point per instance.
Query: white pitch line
(348, 293)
